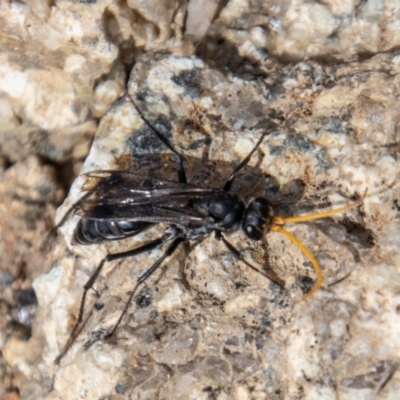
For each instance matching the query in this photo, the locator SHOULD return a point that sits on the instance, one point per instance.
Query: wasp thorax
(224, 208)
(257, 218)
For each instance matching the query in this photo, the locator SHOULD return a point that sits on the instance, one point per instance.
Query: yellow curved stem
(308, 254)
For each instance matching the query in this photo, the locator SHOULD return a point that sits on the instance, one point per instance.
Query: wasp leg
(89, 285)
(53, 230)
(268, 274)
(172, 247)
(242, 164)
(180, 158)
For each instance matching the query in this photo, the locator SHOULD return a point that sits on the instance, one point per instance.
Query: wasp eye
(253, 232)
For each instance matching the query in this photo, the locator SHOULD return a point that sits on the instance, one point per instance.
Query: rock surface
(29, 193)
(209, 325)
(212, 76)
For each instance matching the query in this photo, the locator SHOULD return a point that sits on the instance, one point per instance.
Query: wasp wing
(118, 195)
(112, 187)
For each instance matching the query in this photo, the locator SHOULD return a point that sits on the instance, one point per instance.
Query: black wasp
(120, 204)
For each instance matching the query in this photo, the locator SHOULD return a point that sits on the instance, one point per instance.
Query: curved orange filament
(308, 254)
(323, 214)
(278, 222)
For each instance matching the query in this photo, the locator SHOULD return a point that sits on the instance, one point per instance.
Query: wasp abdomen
(90, 231)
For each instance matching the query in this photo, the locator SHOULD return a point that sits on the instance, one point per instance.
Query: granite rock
(209, 325)
(326, 72)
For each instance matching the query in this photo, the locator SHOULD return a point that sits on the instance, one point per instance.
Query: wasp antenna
(308, 254)
(319, 215)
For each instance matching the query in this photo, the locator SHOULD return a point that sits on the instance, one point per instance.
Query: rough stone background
(213, 75)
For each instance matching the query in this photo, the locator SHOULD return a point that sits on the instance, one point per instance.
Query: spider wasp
(120, 204)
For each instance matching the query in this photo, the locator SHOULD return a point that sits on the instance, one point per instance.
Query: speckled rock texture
(322, 78)
(206, 325)
(29, 193)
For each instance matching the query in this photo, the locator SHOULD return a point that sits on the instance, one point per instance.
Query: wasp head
(257, 218)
